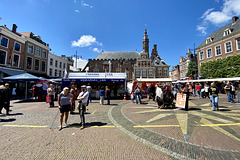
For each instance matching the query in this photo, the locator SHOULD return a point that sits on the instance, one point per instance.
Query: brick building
(36, 54)
(220, 44)
(11, 52)
(175, 73)
(115, 61)
(150, 67)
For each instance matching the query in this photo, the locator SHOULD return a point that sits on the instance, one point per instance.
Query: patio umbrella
(24, 77)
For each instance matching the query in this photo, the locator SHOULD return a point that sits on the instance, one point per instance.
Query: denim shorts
(65, 108)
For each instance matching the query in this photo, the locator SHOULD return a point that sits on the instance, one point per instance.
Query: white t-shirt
(83, 94)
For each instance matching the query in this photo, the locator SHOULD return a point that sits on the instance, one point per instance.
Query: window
(96, 65)
(29, 63)
(56, 63)
(64, 73)
(30, 48)
(3, 56)
(238, 44)
(137, 73)
(38, 51)
(16, 59)
(165, 72)
(17, 47)
(60, 73)
(228, 46)
(43, 66)
(55, 74)
(201, 55)
(4, 41)
(51, 61)
(150, 73)
(227, 32)
(208, 40)
(144, 73)
(159, 72)
(44, 54)
(60, 64)
(50, 71)
(218, 50)
(64, 65)
(209, 53)
(36, 65)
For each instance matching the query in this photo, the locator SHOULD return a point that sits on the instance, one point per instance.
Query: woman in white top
(159, 96)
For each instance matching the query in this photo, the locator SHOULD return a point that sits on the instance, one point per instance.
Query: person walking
(50, 93)
(83, 98)
(159, 96)
(102, 94)
(72, 99)
(6, 97)
(206, 87)
(108, 94)
(238, 93)
(64, 106)
(89, 89)
(198, 89)
(214, 96)
(1, 98)
(138, 95)
(229, 92)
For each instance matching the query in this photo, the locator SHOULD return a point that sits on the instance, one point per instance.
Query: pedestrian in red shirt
(197, 87)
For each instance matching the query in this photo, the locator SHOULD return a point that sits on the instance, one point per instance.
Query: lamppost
(109, 63)
(76, 56)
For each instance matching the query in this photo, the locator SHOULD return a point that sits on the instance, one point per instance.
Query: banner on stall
(181, 100)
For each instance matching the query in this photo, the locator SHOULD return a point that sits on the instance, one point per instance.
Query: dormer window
(209, 39)
(227, 32)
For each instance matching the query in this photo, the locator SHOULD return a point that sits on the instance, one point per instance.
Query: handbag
(48, 99)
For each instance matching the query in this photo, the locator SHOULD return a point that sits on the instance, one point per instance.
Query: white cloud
(77, 11)
(229, 9)
(85, 4)
(96, 50)
(202, 30)
(85, 41)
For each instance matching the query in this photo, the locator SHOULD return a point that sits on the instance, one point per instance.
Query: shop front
(115, 81)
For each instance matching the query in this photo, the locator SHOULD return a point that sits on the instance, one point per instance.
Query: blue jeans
(198, 93)
(138, 97)
(230, 97)
(214, 102)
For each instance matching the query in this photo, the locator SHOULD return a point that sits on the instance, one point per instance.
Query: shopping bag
(48, 99)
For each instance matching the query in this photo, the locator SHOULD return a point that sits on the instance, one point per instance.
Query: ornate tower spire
(145, 42)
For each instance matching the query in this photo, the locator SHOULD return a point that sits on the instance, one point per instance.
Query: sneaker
(60, 128)
(82, 127)
(66, 125)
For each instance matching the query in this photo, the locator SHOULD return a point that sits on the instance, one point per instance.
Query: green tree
(228, 67)
(192, 70)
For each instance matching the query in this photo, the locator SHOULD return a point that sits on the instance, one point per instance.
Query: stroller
(167, 101)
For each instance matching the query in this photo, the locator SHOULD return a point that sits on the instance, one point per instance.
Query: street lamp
(76, 56)
(109, 63)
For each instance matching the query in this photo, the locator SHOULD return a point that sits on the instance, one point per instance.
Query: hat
(65, 88)
(83, 86)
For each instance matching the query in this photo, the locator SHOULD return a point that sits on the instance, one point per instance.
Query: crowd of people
(165, 94)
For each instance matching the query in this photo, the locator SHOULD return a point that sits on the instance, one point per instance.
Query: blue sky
(89, 26)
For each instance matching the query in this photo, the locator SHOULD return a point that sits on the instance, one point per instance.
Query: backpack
(137, 91)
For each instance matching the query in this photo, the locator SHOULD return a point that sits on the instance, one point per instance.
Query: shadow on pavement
(90, 124)
(224, 110)
(15, 114)
(7, 120)
(194, 109)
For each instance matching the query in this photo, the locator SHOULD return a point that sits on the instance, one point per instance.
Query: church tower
(146, 43)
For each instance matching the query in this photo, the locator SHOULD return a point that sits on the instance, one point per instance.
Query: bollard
(125, 97)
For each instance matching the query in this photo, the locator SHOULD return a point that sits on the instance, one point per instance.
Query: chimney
(14, 28)
(234, 19)
(155, 48)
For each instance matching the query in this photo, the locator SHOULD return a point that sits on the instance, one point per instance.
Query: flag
(65, 73)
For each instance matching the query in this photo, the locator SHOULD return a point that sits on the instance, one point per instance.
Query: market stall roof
(154, 79)
(11, 72)
(24, 77)
(212, 80)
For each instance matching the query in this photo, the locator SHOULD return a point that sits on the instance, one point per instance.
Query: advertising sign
(181, 100)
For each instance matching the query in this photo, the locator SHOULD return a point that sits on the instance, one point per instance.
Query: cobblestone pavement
(123, 130)
(26, 134)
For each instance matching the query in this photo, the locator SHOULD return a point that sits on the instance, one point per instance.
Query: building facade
(58, 66)
(175, 73)
(220, 44)
(150, 67)
(36, 55)
(12, 48)
(184, 62)
(115, 61)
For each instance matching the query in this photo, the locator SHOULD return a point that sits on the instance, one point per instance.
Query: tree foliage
(192, 70)
(223, 68)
